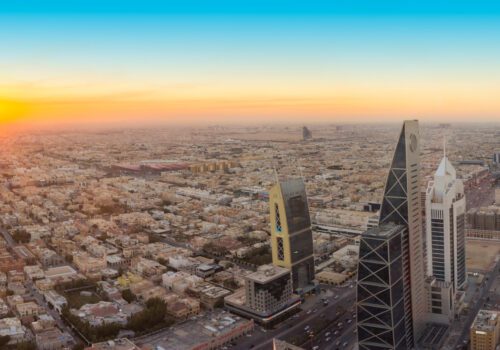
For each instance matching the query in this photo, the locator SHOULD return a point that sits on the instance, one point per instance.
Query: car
(327, 334)
(337, 343)
(349, 321)
(328, 339)
(344, 344)
(308, 312)
(336, 332)
(306, 328)
(315, 347)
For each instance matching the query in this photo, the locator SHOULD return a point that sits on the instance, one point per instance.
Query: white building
(445, 226)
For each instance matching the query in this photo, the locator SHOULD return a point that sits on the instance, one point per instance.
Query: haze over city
(249, 175)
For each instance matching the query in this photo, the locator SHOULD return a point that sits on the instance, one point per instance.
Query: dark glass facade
(380, 290)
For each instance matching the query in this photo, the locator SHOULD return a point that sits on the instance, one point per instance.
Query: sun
(12, 111)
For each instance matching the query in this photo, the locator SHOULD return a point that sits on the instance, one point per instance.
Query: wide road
(262, 340)
(491, 276)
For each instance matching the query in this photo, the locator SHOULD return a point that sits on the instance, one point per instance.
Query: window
(281, 249)
(277, 217)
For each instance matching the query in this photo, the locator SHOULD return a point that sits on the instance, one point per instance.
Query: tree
(79, 346)
(4, 340)
(163, 261)
(128, 295)
(26, 345)
(22, 237)
(152, 316)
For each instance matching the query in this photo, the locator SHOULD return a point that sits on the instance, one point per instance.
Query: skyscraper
(291, 235)
(445, 226)
(381, 307)
(401, 206)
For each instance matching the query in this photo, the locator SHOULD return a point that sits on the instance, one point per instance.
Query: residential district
(255, 237)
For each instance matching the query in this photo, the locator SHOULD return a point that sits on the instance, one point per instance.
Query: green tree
(22, 237)
(26, 345)
(128, 295)
(153, 316)
(4, 340)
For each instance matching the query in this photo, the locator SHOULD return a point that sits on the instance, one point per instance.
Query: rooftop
(383, 231)
(266, 273)
(485, 321)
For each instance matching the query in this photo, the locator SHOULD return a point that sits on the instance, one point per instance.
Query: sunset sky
(259, 61)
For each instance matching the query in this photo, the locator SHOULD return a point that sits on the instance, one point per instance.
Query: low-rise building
(29, 308)
(12, 327)
(485, 331)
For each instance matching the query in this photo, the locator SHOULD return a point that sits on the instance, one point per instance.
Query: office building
(485, 331)
(401, 206)
(266, 296)
(380, 289)
(291, 235)
(445, 226)
(440, 301)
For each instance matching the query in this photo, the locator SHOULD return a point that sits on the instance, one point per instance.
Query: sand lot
(481, 254)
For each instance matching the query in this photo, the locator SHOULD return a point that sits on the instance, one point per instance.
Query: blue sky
(355, 58)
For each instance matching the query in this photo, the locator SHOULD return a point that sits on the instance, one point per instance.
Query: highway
(313, 311)
(491, 276)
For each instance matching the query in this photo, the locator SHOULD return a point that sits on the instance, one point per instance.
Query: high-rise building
(496, 158)
(291, 234)
(380, 290)
(306, 133)
(401, 206)
(485, 331)
(445, 226)
(266, 296)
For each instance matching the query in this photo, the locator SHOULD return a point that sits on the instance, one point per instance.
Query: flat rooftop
(60, 271)
(383, 231)
(196, 331)
(267, 273)
(485, 320)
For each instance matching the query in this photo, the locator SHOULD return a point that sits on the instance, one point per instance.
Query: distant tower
(445, 226)
(291, 235)
(306, 133)
(401, 206)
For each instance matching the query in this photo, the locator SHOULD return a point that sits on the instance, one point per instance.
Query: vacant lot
(481, 254)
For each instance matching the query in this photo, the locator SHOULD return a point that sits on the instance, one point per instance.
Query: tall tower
(401, 206)
(445, 226)
(381, 305)
(291, 235)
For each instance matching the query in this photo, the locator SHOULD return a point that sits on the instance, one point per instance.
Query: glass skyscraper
(291, 235)
(401, 206)
(381, 307)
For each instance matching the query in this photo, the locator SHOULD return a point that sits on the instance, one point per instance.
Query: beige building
(485, 331)
(27, 309)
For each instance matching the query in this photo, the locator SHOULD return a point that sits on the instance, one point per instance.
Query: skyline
(191, 63)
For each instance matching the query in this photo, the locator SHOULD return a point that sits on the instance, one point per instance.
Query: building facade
(445, 226)
(291, 234)
(380, 289)
(485, 331)
(401, 205)
(266, 296)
